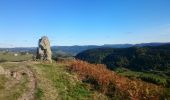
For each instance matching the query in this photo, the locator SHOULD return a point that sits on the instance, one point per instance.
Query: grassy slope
(3, 80)
(55, 82)
(10, 91)
(145, 76)
(10, 57)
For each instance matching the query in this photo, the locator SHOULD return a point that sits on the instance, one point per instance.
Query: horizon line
(87, 45)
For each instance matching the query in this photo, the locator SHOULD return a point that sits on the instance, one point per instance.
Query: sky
(83, 22)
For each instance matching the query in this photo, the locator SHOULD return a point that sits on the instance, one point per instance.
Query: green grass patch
(3, 80)
(18, 90)
(145, 76)
(39, 94)
(68, 88)
(10, 56)
(14, 89)
(8, 65)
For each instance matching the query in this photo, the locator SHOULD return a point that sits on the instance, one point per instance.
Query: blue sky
(83, 22)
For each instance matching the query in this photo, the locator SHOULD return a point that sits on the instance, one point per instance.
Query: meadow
(14, 56)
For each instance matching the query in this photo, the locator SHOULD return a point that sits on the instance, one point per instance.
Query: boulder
(44, 49)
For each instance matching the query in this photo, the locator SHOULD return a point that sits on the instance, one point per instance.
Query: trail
(30, 94)
(16, 76)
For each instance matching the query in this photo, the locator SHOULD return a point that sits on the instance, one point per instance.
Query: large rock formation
(44, 49)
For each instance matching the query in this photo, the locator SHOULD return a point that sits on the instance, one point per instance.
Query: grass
(162, 80)
(39, 93)
(145, 76)
(167, 93)
(3, 80)
(64, 81)
(61, 84)
(9, 56)
(11, 92)
(18, 90)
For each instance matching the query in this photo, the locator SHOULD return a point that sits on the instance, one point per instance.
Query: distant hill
(145, 58)
(73, 50)
(20, 49)
(77, 49)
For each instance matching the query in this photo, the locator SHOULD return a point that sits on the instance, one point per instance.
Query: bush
(114, 85)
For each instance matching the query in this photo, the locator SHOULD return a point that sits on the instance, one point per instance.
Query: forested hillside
(134, 58)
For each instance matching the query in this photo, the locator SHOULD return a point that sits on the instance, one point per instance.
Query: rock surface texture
(44, 50)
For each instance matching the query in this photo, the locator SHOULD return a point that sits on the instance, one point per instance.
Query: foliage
(60, 54)
(113, 84)
(145, 76)
(134, 58)
(55, 82)
(95, 55)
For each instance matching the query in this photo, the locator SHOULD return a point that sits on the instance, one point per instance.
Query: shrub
(112, 84)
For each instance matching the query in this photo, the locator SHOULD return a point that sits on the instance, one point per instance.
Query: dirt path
(20, 74)
(22, 82)
(30, 94)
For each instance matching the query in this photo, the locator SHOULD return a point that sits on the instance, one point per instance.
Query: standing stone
(44, 50)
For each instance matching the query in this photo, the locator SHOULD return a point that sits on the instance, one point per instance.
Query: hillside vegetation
(55, 82)
(116, 86)
(149, 64)
(41, 81)
(69, 79)
(134, 58)
(73, 50)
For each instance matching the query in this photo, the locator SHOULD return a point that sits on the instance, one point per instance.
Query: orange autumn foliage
(113, 84)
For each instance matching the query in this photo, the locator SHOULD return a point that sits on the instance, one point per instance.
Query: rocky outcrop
(44, 50)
